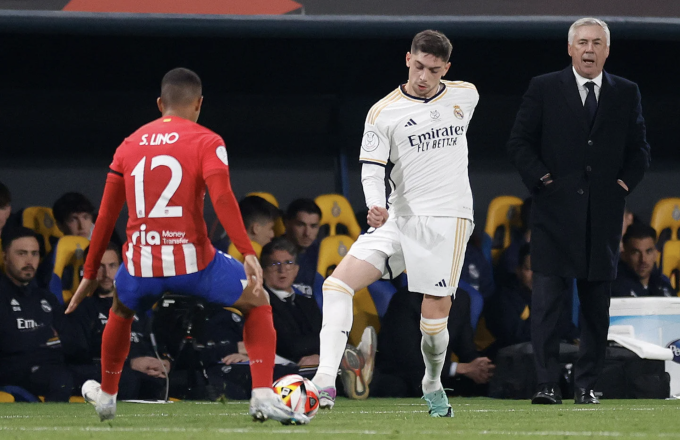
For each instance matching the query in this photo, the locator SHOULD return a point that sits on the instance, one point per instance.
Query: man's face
(589, 50)
(280, 271)
(425, 71)
(78, 223)
(303, 229)
(262, 233)
(525, 274)
(107, 272)
(640, 255)
(22, 259)
(4, 215)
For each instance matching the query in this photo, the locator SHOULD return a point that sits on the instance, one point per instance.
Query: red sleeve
(214, 157)
(112, 203)
(227, 210)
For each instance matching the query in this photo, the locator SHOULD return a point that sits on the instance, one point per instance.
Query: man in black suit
(580, 147)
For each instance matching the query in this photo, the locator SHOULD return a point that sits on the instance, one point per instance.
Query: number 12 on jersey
(161, 208)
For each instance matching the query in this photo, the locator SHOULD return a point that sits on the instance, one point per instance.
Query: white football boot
(104, 404)
(266, 404)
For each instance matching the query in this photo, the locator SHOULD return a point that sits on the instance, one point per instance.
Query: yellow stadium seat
(237, 255)
(76, 399)
(671, 262)
(70, 251)
(6, 397)
(666, 215)
(335, 209)
(331, 251)
(503, 212)
(41, 220)
(279, 228)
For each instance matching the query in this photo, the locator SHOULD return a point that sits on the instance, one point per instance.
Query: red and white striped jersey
(164, 165)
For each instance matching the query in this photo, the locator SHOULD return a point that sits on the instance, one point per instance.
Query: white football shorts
(430, 249)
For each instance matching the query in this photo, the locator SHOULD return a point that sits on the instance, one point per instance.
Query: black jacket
(584, 203)
(297, 321)
(627, 283)
(31, 324)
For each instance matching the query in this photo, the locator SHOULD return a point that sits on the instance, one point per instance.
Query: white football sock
(337, 322)
(433, 345)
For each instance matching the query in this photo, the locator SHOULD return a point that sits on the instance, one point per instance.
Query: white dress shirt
(582, 90)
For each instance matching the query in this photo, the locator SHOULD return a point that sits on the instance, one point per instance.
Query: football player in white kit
(418, 132)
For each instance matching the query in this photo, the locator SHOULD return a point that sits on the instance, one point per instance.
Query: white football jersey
(423, 144)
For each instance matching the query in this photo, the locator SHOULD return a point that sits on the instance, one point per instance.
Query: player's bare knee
(435, 307)
(250, 299)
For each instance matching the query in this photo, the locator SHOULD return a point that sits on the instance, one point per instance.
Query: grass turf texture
(476, 418)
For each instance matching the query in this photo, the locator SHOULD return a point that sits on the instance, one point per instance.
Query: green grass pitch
(476, 418)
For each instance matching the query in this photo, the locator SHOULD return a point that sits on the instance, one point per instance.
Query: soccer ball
(298, 393)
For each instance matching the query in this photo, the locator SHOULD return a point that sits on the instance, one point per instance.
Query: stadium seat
(335, 210)
(502, 214)
(19, 394)
(331, 251)
(237, 255)
(6, 397)
(41, 220)
(279, 228)
(69, 252)
(365, 314)
(671, 262)
(666, 215)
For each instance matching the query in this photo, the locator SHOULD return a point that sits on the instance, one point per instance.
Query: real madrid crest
(458, 112)
(45, 306)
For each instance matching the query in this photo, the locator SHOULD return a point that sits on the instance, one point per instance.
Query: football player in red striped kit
(161, 171)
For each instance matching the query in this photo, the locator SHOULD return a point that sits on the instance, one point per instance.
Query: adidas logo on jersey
(410, 123)
(442, 283)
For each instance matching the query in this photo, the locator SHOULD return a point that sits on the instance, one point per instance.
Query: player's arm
(112, 203)
(375, 150)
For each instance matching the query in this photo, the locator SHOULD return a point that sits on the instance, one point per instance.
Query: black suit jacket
(576, 220)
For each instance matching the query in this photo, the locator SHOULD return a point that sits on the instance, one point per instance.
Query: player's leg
(434, 250)
(129, 295)
(223, 282)
(364, 264)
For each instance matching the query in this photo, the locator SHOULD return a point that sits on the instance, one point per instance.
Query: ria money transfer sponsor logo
(144, 237)
(437, 138)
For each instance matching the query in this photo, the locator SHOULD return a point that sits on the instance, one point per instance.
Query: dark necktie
(591, 102)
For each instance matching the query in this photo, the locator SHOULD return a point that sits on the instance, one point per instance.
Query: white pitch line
(300, 430)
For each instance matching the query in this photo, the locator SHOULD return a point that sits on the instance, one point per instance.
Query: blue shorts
(221, 282)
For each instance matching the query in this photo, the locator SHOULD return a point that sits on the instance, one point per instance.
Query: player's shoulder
(391, 98)
(459, 86)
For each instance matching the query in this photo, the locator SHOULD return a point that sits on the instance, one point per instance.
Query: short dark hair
(5, 196)
(180, 87)
(432, 42)
(115, 248)
(15, 233)
(524, 252)
(302, 205)
(639, 231)
(255, 209)
(71, 203)
(278, 244)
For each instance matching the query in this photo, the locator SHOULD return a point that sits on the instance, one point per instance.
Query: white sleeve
(373, 181)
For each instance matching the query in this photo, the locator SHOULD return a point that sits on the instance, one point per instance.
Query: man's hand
(234, 358)
(253, 272)
(306, 361)
(150, 366)
(479, 370)
(377, 216)
(85, 288)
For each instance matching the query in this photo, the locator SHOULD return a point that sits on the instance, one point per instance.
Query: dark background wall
(287, 105)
